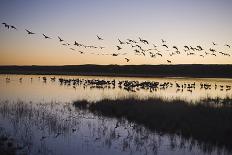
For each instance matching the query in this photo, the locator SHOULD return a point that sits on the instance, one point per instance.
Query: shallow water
(40, 115)
(34, 88)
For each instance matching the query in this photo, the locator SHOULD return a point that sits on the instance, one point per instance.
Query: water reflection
(56, 128)
(70, 88)
(38, 112)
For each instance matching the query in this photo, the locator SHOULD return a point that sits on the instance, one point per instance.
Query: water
(36, 89)
(40, 116)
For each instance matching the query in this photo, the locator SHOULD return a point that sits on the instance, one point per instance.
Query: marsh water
(37, 111)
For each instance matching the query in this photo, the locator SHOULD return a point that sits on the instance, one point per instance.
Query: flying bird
(80, 52)
(159, 54)
(175, 48)
(214, 43)
(119, 48)
(121, 42)
(29, 32)
(163, 41)
(200, 48)
(127, 60)
(60, 39)
(165, 45)
(143, 41)
(99, 38)
(75, 43)
(227, 45)
(13, 27)
(46, 37)
(101, 47)
(154, 45)
(186, 47)
(169, 61)
(6, 25)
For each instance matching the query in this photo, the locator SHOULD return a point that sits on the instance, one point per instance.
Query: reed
(208, 121)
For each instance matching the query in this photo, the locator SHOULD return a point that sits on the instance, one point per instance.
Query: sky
(178, 22)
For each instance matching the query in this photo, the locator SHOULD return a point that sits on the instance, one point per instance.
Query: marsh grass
(209, 121)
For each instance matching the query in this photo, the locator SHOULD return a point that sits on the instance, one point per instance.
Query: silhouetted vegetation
(207, 121)
(128, 70)
(7, 144)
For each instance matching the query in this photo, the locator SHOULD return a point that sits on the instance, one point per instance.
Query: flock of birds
(140, 47)
(133, 85)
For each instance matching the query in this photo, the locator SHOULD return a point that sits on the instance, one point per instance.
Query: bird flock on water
(139, 47)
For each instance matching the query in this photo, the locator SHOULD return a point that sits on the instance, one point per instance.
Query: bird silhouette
(6, 25)
(60, 39)
(143, 41)
(214, 43)
(121, 42)
(200, 48)
(202, 56)
(212, 50)
(159, 54)
(101, 47)
(227, 45)
(29, 32)
(13, 27)
(46, 37)
(77, 44)
(99, 38)
(119, 48)
(175, 48)
(163, 41)
(214, 54)
(186, 47)
(127, 60)
(114, 54)
(169, 61)
(154, 45)
(165, 45)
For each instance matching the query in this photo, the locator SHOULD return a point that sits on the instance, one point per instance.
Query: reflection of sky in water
(67, 130)
(82, 132)
(37, 90)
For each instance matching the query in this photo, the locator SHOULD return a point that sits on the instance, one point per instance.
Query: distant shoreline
(196, 70)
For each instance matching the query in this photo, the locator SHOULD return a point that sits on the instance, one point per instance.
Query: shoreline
(181, 71)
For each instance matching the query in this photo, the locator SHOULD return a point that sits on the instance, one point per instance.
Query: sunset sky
(179, 22)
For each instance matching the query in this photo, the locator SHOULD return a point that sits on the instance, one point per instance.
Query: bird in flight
(101, 47)
(6, 25)
(165, 45)
(99, 38)
(214, 43)
(163, 41)
(60, 39)
(46, 37)
(29, 32)
(13, 27)
(121, 42)
(119, 47)
(200, 48)
(227, 45)
(75, 43)
(143, 41)
(154, 45)
(169, 61)
(175, 48)
(127, 60)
